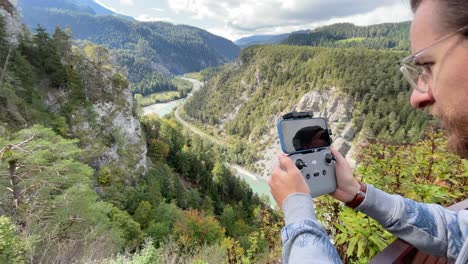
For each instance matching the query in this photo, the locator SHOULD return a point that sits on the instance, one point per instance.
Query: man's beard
(457, 131)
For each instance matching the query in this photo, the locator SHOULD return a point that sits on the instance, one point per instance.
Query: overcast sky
(234, 19)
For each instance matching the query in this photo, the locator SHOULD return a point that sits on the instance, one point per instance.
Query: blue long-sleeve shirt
(428, 227)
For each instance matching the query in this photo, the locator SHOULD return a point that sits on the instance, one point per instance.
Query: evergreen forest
(86, 178)
(149, 53)
(58, 205)
(392, 36)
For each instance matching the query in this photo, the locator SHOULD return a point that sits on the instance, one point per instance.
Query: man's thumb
(286, 163)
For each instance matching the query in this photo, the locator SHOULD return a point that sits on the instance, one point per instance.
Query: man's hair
(454, 13)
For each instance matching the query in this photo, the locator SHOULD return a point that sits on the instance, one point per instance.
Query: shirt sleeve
(304, 238)
(428, 227)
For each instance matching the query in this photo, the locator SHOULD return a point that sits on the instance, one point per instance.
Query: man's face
(448, 88)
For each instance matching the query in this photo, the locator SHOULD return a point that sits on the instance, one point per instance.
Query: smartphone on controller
(305, 140)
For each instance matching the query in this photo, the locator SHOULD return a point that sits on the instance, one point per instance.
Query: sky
(234, 19)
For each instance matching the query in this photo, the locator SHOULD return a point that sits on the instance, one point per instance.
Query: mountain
(42, 85)
(346, 35)
(90, 182)
(97, 8)
(360, 91)
(79, 6)
(140, 47)
(265, 39)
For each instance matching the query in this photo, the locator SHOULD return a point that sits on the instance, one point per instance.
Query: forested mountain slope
(73, 154)
(267, 81)
(265, 39)
(83, 180)
(345, 35)
(47, 81)
(142, 47)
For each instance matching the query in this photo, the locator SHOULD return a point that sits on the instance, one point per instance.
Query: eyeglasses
(419, 75)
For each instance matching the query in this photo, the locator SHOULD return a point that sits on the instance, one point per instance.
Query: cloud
(148, 18)
(396, 11)
(127, 2)
(157, 9)
(248, 15)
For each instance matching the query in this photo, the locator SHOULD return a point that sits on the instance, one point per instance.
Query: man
(437, 73)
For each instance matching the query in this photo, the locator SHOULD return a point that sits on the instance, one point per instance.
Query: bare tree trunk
(5, 67)
(14, 180)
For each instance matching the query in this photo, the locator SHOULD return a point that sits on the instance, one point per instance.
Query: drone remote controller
(306, 140)
(318, 169)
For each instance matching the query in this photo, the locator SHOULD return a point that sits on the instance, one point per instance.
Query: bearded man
(437, 72)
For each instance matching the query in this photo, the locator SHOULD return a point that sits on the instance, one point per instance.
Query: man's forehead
(426, 27)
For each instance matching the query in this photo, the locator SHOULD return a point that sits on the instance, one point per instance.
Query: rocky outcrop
(331, 104)
(105, 123)
(13, 21)
(109, 131)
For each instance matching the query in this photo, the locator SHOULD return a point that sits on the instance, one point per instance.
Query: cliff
(331, 104)
(71, 95)
(12, 19)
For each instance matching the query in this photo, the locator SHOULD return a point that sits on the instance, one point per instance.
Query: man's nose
(421, 100)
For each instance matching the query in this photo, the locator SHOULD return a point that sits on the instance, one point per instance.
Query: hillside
(87, 181)
(47, 82)
(265, 39)
(368, 97)
(141, 47)
(345, 35)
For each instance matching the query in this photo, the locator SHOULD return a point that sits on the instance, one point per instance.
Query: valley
(92, 170)
(258, 184)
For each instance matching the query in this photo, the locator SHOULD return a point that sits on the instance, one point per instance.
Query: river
(163, 109)
(258, 184)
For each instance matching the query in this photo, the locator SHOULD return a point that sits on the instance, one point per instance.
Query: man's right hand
(347, 185)
(286, 179)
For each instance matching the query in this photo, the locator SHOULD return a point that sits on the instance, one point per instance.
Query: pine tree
(48, 185)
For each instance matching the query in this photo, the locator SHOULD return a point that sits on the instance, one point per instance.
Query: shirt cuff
(379, 205)
(298, 207)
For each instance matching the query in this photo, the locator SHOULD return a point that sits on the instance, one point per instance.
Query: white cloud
(394, 12)
(397, 12)
(148, 18)
(251, 15)
(127, 2)
(157, 9)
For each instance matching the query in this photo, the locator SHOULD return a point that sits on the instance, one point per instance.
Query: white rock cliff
(329, 103)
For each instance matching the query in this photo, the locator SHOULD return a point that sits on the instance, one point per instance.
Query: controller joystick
(319, 173)
(300, 164)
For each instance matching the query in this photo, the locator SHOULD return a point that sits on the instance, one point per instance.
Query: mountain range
(346, 35)
(265, 39)
(144, 46)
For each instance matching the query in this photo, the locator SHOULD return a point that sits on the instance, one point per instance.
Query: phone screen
(303, 134)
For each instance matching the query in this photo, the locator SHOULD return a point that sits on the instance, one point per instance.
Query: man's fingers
(277, 171)
(286, 163)
(339, 158)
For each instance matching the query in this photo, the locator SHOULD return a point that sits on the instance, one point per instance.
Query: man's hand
(286, 179)
(348, 186)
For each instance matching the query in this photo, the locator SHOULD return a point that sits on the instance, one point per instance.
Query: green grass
(163, 97)
(344, 41)
(194, 75)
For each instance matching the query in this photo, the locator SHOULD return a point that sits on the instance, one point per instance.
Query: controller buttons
(328, 158)
(316, 174)
(300, 164)
(308, 176)
(324, 172)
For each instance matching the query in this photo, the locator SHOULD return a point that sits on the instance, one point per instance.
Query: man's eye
(427, 67)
